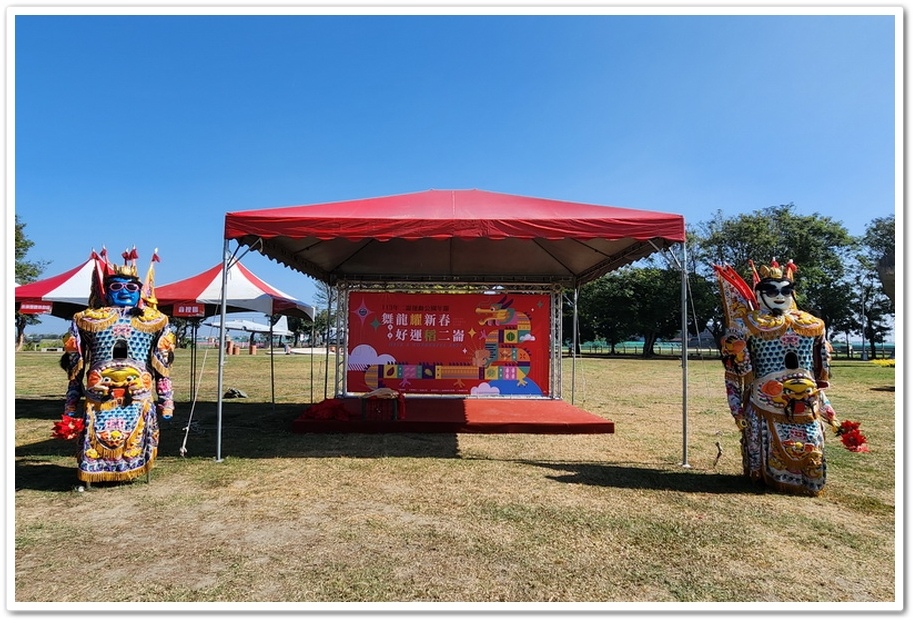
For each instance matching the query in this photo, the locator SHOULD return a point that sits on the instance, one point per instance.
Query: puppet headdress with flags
(148, 292)
(105, 269)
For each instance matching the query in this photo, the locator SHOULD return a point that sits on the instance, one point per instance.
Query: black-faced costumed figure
(118, 357)
(777, 365)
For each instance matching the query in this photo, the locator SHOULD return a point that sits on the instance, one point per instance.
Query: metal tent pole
(684, 349)
(575, 343)
(273, 399)
(340, 351)
(556, 342)
(194, 324)
(312, 365)
(327, 345)
(222, 355)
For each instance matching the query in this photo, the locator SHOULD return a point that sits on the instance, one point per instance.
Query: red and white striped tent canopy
(67, 293)
(61, 295)
(201, 295)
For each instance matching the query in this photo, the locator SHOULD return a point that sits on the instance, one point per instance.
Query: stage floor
(456, 415)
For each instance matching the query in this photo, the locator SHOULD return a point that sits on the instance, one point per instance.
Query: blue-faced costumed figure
(777, 365)
(118, 357)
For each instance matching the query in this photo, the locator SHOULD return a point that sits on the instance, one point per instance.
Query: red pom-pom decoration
(68, 427)
(852, 437)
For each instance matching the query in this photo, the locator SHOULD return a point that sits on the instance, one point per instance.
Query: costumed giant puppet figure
(777, 365)
(124, 347)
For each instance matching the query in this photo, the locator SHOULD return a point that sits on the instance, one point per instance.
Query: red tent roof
(244, 292)
(66, 293)
(455, 235)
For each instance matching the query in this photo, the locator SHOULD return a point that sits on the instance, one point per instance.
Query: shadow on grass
(249, 430)
(633, 477)
(41, 476)
(36, 475)
(263, 430)
(39, 409)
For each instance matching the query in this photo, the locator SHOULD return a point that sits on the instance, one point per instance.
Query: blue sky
(146, 130)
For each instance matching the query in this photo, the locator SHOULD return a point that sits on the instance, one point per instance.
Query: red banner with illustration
(472, 344)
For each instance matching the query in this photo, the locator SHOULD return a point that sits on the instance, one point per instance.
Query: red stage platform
(453, 415)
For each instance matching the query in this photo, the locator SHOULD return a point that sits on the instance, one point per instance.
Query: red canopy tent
(245, 292)
(61, 295)
(457, 236)
(67, 293)
(201, 296)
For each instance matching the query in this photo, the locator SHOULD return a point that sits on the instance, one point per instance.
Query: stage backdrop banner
(470, 344)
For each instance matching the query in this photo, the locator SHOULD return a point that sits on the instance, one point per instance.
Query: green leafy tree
(26, 272)
(656, 308)
(586, 331)
(704, 299)
(871, 304)
(300, 327)
(326, 312)
(820, 246)
(878, 247)
(634, 302)
(872, 286)
(183, 330)
(880, 238)
(645, 301)
(602, 311)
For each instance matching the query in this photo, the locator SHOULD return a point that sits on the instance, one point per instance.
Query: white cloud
(364, 355)
(484, 389)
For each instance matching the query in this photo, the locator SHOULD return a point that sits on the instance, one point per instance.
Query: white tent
(201, 296)
(61, 295)
(245, 291)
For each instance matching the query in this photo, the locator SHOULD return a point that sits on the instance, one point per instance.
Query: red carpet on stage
(450, 415)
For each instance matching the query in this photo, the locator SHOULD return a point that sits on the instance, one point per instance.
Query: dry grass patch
(455, 518)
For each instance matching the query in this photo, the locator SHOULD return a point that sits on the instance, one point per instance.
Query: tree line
(845, 280)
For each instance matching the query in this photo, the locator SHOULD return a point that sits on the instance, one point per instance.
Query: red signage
(473, 344)
(188, 310)
(35, 308)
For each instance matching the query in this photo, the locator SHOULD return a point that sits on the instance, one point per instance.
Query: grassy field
(608, 521)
